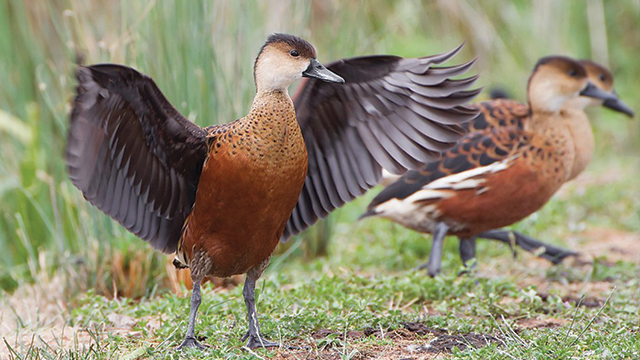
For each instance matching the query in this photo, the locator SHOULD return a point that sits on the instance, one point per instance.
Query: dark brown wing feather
(391, 113)
(132, 154)
(477, 149)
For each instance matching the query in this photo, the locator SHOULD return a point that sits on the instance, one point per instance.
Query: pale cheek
(303, 66)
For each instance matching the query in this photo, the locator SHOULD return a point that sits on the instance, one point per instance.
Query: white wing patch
(470, 179)
(442, 188)
(409, 213)
(388, 178)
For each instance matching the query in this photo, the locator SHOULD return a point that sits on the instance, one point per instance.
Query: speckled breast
(248, 188)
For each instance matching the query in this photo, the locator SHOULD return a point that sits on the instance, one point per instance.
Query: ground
(509, 308)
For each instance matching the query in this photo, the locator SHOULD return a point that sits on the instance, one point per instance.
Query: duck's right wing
(132, 154)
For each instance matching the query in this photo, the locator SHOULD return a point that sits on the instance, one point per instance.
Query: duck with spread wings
(222, 197)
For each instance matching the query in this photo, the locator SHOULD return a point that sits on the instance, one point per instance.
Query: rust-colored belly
(243, 203)
(510, 196)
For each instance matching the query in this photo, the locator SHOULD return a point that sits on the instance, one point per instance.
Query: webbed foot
(191, 342)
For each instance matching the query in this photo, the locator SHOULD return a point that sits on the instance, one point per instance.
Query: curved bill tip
(318, 71)
(617, 105)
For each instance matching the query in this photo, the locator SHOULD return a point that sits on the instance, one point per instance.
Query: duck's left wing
(392, 113)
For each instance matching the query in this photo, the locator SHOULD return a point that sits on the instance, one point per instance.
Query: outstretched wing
(391, 113)
(132, 154)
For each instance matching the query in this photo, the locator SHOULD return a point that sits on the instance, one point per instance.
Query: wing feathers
(132, 154)
(391, 113)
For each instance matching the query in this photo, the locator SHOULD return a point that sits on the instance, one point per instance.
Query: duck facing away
(221, 197)
(505, 112)
(495, 177)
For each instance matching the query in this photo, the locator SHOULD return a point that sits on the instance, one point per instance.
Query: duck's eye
(294, 53)
(602, 77)
(573, 73)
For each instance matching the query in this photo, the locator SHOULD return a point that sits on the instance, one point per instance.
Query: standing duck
(221, 197)
(495, 177)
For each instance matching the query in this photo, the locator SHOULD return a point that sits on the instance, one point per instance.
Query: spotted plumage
(498, 113)
(221, 197)
(508, 167)
(472, 175)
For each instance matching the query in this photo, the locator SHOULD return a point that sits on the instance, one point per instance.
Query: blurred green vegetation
(201, 53)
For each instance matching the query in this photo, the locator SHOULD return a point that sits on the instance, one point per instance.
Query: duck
(222, 197)
(504, 112)
(496, 175)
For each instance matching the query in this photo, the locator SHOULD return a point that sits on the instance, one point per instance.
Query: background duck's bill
(619, 106)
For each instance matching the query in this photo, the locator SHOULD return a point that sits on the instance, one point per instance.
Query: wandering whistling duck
(504, 113)
(221, 197)
(497, 176)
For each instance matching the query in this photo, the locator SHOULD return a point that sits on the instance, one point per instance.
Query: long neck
(272, 119)
(544, 122)
(271, 99)
(553, 128)
(579, 127)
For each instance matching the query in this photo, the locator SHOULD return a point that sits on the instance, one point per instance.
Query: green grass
(201, 56)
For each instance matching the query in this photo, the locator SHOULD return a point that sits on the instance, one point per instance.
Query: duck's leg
(434, 264)
(190, 339)
(253, 335)
(552, 253)
(467, 249)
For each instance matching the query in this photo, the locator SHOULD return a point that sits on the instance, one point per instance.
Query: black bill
(318, 71)
(595, 92)
(619, 106)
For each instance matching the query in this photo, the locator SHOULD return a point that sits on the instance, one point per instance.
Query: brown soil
(610, 245)
(540, 323)
(412, 341)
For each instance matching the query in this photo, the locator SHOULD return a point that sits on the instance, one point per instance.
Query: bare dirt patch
(412, 341)
(548, 323)
(610, 244)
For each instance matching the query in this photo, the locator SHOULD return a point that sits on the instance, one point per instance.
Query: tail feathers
(370, 212)
(179, 264)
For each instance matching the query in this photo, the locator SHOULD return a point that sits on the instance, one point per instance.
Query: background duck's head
(601, 77)
(284, 59)
(557, 79)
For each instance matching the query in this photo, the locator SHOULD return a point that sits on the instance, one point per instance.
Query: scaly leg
(190, 339)
(253, 335)
(467, 249)
(552, 253)
(434, 264)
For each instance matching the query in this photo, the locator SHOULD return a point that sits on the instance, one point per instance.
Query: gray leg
(190, 339)
(434, 264)
(468, 251)
(552, 253)
(200, 266)
(253, 335)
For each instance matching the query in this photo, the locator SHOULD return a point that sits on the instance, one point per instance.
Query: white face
(277, 69)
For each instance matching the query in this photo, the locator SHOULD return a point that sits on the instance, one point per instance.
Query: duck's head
(558, 79)
(601, 77)
(284, 59)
